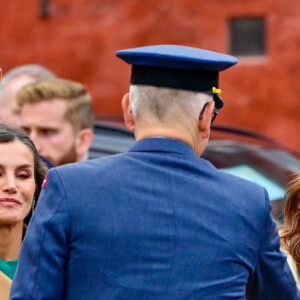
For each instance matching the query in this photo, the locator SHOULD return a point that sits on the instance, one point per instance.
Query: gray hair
(35, 71)
(166, 105)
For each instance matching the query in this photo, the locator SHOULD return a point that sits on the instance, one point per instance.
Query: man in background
(156, 222)
(57, 115)
(11, 83)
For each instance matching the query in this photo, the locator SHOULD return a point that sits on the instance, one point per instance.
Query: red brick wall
(79, 39)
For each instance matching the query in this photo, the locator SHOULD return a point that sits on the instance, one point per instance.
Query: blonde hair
(79, 103)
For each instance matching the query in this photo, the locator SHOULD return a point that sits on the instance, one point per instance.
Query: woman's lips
(9, 201)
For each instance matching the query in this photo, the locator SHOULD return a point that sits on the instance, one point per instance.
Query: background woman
(21, 175)
(290, 231)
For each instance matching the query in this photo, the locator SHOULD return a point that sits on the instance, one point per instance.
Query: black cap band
(192, 80)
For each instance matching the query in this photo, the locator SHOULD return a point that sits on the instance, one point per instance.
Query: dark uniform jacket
(156, 222)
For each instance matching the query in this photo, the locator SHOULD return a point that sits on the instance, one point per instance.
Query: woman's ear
(127, 114)
(205, 119)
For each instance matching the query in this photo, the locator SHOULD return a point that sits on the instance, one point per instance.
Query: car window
(261, 160)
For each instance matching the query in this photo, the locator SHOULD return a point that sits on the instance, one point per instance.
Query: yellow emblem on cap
(216, 91)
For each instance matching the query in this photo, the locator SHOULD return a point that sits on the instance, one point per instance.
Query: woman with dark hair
(21, 175)
(290, 230)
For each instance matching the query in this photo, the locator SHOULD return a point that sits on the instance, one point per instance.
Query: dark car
(240, 152)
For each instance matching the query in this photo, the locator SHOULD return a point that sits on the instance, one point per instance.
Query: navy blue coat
(153, 223)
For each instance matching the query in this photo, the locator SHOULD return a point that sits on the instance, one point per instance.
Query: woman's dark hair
(8, 134)
(290, 230)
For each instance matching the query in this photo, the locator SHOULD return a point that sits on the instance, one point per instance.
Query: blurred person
(57, 115)
(290, 230)
(21, 175)
(11, 82)
(156, 222)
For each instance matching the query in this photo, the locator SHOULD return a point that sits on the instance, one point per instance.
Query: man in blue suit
(156, 222)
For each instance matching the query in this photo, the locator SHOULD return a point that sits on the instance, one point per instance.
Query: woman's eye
(24, 175)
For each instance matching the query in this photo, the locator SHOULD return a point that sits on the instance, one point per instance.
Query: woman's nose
(9, 185)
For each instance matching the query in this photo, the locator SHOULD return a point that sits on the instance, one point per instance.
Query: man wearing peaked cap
(156, 222)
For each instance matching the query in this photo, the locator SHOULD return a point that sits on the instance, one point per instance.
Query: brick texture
(79, 38)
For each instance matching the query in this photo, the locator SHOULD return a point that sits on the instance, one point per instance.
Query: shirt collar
(158, 144)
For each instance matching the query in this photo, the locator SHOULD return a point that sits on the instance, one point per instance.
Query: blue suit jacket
(156, 222)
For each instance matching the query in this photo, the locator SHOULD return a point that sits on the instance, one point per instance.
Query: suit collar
(161, 144)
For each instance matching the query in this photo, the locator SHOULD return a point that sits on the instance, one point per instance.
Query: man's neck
(173, 133)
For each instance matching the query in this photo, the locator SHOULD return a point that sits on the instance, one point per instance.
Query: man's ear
(205, 120)
(83, 142)
(127, 114)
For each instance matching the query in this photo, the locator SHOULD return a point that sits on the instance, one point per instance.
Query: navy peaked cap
(177, 57)
(178, 67)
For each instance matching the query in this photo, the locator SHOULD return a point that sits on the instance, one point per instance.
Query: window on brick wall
(44, 8)
(247, 36)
